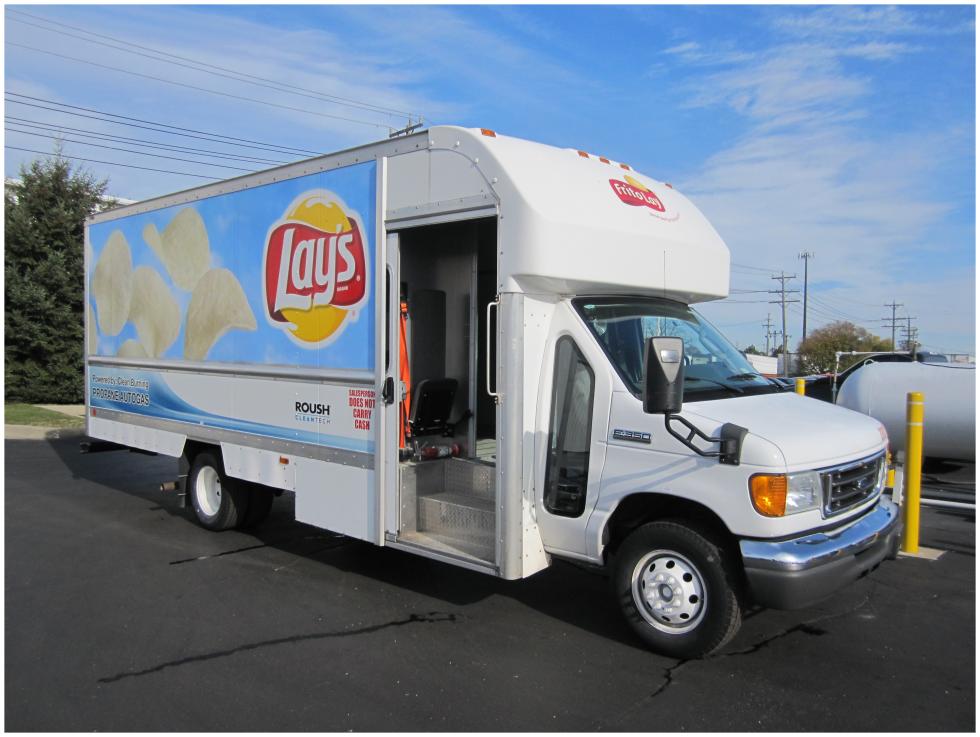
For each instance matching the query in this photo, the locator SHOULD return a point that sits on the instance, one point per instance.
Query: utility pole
(911, 334)
(409, 127)
(806, 256)
(893, 322)
(782, 301)
(768, 326)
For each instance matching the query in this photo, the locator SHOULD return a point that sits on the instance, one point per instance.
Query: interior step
(464, 521)
(436, 545)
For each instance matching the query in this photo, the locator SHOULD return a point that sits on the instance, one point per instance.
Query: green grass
(28, 414)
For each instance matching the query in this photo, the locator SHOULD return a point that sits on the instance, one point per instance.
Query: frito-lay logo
(316, 268)
(633, 193)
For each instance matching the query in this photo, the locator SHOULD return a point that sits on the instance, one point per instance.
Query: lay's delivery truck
(480, 350)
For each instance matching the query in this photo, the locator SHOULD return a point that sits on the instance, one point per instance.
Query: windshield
(713, 367)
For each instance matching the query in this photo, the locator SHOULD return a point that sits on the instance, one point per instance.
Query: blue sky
(846, 131)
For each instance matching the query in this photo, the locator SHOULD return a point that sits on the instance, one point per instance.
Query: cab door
(572, 427)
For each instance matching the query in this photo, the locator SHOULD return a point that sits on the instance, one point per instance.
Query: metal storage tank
(880, 389)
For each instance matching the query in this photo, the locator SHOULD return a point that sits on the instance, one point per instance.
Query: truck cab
(593, 261)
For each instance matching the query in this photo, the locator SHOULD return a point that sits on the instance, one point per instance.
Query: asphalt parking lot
(122, 614)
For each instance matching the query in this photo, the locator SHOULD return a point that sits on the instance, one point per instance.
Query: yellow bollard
(890, 479)
(801, 386)
(915, 411)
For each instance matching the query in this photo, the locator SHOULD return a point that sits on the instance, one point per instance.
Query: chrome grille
(850, 484)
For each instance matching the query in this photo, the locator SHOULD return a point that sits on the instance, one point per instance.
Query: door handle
(388, 390)
(490, 336)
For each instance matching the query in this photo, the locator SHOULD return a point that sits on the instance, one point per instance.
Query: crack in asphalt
(808, 627)
(668, 678)
(427, 618)
(804, 627)
(276, 543)
(218, 555)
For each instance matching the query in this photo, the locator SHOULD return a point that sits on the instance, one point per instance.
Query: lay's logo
(633, 193)
(316, 268)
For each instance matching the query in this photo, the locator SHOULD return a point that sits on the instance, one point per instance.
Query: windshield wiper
(744, 377)
(734, 389)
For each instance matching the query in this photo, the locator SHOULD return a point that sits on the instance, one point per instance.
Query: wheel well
(638, 509)
(191, 449)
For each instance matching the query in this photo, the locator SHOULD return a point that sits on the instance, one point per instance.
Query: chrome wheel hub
(669, 591)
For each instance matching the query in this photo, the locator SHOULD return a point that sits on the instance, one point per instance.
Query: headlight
(776, 495)
(805, 492)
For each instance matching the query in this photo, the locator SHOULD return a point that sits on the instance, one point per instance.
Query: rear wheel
(219, 502)
(676, 588)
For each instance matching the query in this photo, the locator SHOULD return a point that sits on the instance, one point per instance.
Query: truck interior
(447, 484)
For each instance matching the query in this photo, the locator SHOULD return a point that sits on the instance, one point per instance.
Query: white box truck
(481, 350)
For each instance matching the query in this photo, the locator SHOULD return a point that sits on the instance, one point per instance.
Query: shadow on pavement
(576, 596)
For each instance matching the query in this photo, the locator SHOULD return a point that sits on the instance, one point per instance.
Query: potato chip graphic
(154, 312)
(182, 247)
(91, 334)
(132, 349)
(218, 304)
(112, 285)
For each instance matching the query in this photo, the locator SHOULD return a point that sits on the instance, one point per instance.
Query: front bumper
(795, 573)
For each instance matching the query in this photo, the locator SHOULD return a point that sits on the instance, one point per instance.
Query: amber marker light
(769, 494)
(488, 132)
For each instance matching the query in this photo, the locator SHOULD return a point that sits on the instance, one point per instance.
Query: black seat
(432, 405)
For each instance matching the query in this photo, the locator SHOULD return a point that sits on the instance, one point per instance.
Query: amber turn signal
(769, 494)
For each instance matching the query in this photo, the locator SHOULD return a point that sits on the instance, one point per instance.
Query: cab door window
(570, 434)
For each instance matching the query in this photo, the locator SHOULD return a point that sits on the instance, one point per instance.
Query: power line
(244, 142)
(854, 301)
(112, 163)
(821, 302)
(196, 87)
(753, 268)
(27, 122)
(824, 313)
(129, 150)
(232, 74)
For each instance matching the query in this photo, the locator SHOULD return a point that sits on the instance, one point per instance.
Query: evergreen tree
(44, 320)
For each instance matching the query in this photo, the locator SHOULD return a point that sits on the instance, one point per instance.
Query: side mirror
(663, 376)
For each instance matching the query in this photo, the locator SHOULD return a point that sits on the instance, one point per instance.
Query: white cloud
(809, 173)
(857, 20)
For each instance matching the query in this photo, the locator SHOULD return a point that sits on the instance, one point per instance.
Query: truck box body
(489, 299)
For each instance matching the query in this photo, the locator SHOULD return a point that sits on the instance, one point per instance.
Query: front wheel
(676, 589)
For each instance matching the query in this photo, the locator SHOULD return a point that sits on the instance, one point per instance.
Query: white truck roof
(575, 223)
(570, 222)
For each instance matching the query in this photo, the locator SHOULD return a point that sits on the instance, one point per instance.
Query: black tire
(259, 503)
(223, 509)
(703, 612)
